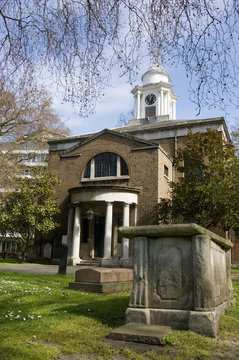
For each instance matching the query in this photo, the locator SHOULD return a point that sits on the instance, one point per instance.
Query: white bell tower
(154, 100)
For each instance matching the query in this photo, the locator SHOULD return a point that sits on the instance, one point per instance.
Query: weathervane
(156, 57)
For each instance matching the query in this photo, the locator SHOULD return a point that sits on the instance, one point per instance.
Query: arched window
(106, 165)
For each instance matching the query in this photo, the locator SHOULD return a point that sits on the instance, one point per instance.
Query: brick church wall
(143, 168)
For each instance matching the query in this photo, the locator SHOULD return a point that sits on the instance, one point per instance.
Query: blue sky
(119, 100)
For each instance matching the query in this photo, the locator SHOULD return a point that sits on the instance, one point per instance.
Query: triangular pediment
(138, 142)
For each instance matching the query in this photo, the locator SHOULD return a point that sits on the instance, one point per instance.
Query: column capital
(108, 203)
(126, 204)
(75, 204)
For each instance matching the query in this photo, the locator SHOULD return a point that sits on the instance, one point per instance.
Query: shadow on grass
(109, 310)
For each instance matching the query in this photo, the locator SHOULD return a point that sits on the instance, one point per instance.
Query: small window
(165, 171)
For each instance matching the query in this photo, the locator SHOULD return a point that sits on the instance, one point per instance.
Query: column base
(202, 322)
(73, 261)
(126, 262)
(107, 262)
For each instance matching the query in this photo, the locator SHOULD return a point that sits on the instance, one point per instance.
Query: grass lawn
(10, 261)
(235, 270)
(40, 318)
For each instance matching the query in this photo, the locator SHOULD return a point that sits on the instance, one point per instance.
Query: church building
(115, 178)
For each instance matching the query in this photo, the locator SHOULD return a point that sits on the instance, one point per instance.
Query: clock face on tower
(150, 99)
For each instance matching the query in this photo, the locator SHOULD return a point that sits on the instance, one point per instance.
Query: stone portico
(95, 213)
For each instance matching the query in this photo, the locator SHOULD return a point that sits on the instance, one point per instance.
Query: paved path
(37, 269)
(235, 276)
(50, 269)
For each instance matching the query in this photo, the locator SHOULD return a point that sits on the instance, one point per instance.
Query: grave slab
(140, 333)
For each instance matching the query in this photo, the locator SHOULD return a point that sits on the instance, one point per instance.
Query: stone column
(76, 237)
(174, 111)
(167, 101)
(70, 230)
(138, 311)
(125, 241)
(135, 215)
(161, 103)
(158, 109)
(108, 230)
(229, 294)
(203, 283)
(125, 260)
(138, 106)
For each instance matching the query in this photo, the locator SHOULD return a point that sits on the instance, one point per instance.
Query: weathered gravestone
(181, 277)
(47, 251)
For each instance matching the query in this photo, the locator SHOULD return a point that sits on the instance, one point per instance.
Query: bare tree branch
(79, 42)
(24, 118)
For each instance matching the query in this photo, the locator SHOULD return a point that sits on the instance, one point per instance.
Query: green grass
(10, 261)
(40, 318)
(235, 270)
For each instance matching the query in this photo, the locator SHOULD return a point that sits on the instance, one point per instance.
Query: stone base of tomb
(102, 288)
(102, 280)
(201, 322)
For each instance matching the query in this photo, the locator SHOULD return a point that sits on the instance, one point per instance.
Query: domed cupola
(154, 75)
(154, 100)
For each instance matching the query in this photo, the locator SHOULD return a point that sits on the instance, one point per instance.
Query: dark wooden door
(99, 235)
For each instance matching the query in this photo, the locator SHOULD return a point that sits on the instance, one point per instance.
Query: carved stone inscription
(170, 273)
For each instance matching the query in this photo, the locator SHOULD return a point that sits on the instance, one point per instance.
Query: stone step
(115, 263)
(89, 262)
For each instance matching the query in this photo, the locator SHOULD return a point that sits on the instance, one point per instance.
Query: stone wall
(181, 277)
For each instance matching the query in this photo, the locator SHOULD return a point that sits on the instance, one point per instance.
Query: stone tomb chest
(181, 277)
(103, 280)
